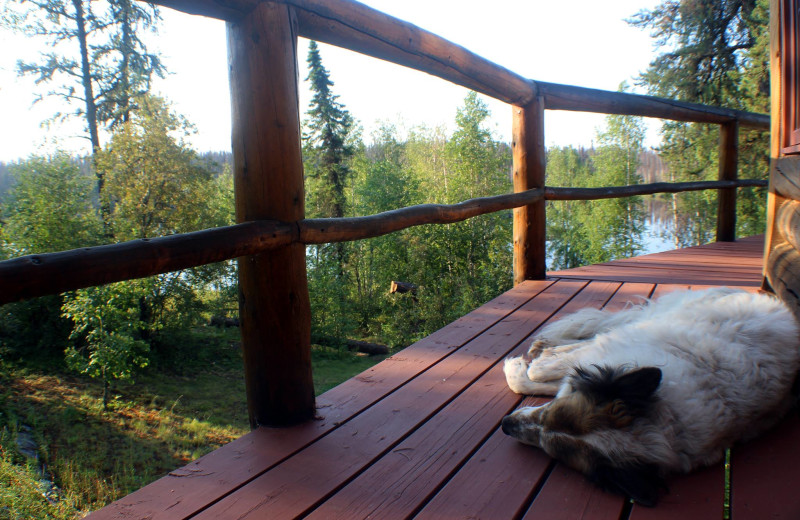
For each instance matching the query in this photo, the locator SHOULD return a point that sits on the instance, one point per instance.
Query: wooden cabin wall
(782, 247)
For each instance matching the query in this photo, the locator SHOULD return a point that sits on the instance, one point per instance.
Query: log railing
(272, 232)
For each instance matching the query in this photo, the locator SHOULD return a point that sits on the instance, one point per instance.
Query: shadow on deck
(418, 434)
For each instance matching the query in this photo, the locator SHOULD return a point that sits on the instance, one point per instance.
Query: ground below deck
(418, 434)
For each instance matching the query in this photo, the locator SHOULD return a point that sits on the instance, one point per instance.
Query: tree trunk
(91, 111)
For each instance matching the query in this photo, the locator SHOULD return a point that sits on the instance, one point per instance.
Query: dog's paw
(516, 371)
(537, 348)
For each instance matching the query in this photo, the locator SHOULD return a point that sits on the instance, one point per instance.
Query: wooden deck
(418, 434)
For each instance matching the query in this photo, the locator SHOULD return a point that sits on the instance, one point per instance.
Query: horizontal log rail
(359, 28)
(40, 274)
(582, 99)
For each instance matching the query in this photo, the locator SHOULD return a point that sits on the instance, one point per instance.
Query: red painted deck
(417, 436)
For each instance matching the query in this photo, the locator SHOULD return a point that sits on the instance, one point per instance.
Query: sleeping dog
(659, 388)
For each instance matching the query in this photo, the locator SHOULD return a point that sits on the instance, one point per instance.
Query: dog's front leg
(517, 372)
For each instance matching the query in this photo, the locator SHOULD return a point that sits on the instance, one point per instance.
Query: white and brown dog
(659, 388)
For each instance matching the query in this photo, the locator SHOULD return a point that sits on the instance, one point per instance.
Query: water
(659, 234)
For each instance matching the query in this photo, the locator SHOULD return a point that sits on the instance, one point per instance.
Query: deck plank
(290, 489)
(489, 484)
(765, 473)
(567, 495)
(418, 434)
(697, 496)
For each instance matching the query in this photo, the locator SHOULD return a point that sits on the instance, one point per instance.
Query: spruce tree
(327, 154)
(328, 150)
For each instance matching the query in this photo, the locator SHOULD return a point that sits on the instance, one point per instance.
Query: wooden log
(353, 345)
(785, 177)
(568, 97)
(728, 171)
(274, 304)
(529, 162)
(50, 273)
(613, 192)
(787, 222)
(402, 287)
(783, 274)
(775, 56)
(357, 27)
(325, 230)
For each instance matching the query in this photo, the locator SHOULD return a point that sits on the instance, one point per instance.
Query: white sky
(577, 42)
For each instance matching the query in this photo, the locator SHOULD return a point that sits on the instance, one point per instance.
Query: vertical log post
(529, 173)
(268, 183)
(728, 171)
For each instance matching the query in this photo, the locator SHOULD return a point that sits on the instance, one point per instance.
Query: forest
(143, 180)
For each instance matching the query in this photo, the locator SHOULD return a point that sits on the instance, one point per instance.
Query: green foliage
(107, 330)
(49, 207)
(455, 267)
(328, 150)
(155, 184)
(171, 416)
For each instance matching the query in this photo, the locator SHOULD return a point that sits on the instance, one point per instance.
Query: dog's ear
(636, 388)
(642, 483)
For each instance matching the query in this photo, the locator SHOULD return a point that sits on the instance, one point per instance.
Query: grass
(165, 419)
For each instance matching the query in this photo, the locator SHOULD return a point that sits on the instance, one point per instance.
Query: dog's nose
(507, 425)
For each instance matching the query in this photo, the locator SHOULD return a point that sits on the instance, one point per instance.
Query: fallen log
(402, 287)
(353, 345)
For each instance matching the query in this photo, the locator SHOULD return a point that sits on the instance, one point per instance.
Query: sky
(576, 42)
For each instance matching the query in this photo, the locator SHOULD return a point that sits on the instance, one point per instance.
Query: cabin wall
(782, 248)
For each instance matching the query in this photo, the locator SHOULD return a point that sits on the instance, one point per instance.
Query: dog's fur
(658, 388)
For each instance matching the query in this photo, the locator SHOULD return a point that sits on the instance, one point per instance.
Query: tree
(567, 239)
(96, 61)
(157, 185)
(328, 149)
(382, 181)
(587, 232)
(106, 340)
(128, 66)
(327, 154)
(715, 53)
(465, 264)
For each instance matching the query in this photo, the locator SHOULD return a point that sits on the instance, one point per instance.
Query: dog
(658, 388)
